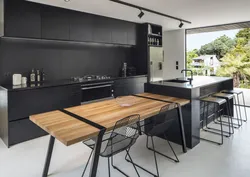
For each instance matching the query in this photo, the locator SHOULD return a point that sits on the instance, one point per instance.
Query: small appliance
(17, 79)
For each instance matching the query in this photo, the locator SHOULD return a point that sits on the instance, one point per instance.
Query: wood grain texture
(181, 101)
(69, 130)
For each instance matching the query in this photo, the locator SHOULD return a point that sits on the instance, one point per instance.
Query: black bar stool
(238, 93)
(229, 98)
(217, 103)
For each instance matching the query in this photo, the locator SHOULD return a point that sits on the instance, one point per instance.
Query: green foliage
(244, 36)
(190, 55)
(218, 47)
(236, 63)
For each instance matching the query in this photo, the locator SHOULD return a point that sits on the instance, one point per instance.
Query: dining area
(113, 126)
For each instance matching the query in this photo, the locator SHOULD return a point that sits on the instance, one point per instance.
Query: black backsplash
(60, 60)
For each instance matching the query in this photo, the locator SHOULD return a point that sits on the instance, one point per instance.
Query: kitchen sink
(176, 81)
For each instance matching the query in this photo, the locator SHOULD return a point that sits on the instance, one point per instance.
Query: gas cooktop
(90, 78)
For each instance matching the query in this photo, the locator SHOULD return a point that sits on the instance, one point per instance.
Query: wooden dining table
(79, 123)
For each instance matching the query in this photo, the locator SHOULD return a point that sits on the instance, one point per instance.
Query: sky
(195, 41)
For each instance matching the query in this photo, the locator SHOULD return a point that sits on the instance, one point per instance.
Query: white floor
(206, 160)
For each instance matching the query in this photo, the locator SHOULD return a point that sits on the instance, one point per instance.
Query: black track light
(181, 24)
(141, 14)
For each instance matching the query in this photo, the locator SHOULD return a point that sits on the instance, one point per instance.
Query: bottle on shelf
(158, 42)
(38, 76)
(32, 76)
(124, 70)
(42, 75)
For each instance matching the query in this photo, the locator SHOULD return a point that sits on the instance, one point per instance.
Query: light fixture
(66, 0)
(141, 14)
(181, 24)
(150, 11)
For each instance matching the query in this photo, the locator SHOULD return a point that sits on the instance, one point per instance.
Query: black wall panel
(60, 60)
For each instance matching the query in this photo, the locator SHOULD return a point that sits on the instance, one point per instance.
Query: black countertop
(198, 81)
(59, 83)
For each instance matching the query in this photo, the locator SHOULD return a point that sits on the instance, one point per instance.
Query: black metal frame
(179, 112)
(153, 145)
(231, 114)
(205, 117)
(112, 153)
(149, 10)
(96, 150)
(238, 104)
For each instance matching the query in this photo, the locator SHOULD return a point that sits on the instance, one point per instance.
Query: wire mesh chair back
(162, 121)
(123, 135)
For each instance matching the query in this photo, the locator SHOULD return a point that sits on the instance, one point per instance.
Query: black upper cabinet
(131, 30)
(22, 19)
(119, 32)
(81, 27)
(102, 29)
(55, 23)
(31, 20)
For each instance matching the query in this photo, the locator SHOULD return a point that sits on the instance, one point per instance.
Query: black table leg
(48, 158)
(97, 149)
(184, 148)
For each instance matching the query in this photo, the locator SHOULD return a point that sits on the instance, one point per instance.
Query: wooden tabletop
(69, 130)
(181, 101)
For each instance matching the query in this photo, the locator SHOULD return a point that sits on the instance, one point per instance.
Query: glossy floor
(206, 160)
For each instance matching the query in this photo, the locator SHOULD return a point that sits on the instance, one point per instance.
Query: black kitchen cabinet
(33, 20)
(102, 29)
(131, 34)
(119, 32)
(23, 130)
(128, 86)
(27, 102)
(55, 23)
(17, 106)
(22, 19)
(81, 27)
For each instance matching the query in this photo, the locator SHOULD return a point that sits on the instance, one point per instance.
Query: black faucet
(190, 79)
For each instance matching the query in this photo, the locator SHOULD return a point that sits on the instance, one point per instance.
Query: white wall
(174, 50)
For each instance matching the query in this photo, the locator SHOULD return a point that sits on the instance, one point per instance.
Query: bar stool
(229, 97)
(238, 92)
(217, 102)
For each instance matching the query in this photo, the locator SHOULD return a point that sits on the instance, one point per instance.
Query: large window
(221, 53)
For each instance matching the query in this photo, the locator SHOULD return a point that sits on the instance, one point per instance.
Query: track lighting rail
(151, 11)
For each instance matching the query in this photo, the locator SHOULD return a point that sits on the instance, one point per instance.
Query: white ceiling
(199, 12)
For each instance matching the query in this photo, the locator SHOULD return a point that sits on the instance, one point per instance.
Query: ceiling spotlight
(181, 24)
(66, 0)
(141, 14)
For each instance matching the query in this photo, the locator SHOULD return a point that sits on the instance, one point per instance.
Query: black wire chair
(121, 138)
(160, 124)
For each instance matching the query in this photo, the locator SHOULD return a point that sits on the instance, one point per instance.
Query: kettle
(17, 79)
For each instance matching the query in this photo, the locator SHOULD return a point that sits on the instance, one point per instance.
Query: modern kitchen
(78, 88)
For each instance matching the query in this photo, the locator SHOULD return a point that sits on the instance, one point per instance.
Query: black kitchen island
(201, 86)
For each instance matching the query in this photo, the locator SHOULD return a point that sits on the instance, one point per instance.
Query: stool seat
(232, 91)
(219, 101)
(224, 95)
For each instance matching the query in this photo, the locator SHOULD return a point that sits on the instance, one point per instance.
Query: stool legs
(205, 118)
(217, 131)
(244, 104)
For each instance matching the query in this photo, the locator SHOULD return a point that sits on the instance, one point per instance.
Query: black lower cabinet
(129, 86)
(23, 130)
(17, 106)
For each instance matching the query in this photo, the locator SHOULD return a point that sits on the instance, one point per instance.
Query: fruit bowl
(125, 101)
